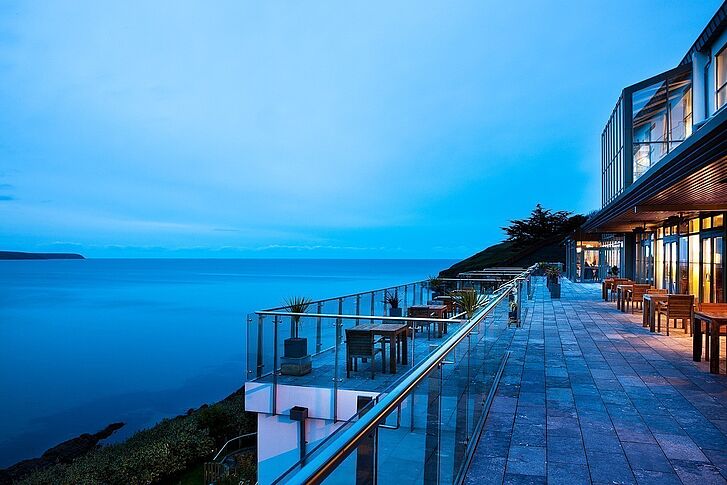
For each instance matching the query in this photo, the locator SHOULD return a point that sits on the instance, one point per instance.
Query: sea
(84, 343)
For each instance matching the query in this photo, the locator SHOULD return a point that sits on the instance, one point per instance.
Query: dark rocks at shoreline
(64, 452)
(18, 255)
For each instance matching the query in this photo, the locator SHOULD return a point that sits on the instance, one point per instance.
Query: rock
(64, 452)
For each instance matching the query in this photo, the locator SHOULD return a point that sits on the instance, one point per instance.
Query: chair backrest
(712, 306)
(680, 306)
(639, 291)
(418, 312)
(359, 342)
(657, 291)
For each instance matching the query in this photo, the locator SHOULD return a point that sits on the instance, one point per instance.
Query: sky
(311, 129)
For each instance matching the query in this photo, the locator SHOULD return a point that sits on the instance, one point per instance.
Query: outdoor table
(434, 311)
(621, 295)
(605, 286)
(649, 310)
(447, 301)
(713, 318)
(396, 334)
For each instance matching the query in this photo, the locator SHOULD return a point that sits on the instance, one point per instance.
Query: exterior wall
(279, 436)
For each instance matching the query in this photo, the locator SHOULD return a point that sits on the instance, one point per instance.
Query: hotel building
(664, 179)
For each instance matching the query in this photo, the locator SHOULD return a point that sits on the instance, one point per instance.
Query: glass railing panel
(454, 434)
(410, 445)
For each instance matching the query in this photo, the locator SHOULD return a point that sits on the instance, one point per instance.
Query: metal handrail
(349, 316)
(318, 467)
(230, 441)
(368, 292)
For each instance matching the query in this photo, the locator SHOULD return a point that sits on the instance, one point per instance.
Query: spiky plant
(391, 299)
(297, 304)
(434, 283)
(468, 300)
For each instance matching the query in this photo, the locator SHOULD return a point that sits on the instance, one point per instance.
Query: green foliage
(156, 454)
(297, 304)
(540, 225)
(468, 300)
(391, 299)
(434, 283)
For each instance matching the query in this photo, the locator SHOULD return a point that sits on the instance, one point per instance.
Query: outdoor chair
(418, 325)
(614, 286)
(637, 296)
(657, 291)
(361, 344)
(706, 329)
(676, 307)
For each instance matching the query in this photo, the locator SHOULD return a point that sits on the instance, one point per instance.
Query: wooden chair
(360, 344)
(676, 307)
(614, 286)
(657, 291)
(419, 325)
(706, 329)
(637, 296)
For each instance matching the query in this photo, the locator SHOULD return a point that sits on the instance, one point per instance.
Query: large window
(661, 119)
(612, 156)
(721, 77)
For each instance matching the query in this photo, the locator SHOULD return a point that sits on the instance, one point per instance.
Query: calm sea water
(84, 343)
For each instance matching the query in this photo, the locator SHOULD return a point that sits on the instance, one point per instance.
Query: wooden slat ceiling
(692, 181)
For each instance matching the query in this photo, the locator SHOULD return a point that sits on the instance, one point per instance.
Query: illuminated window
(694, 225)
(721, 95)
(718, 220)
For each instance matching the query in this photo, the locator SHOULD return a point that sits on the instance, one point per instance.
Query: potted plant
(435, 285)
(296, 360)
(392, 299)
(613, 271)
(468, 301)
(553, 276)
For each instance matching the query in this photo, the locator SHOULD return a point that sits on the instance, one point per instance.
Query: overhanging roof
(713, 29)
(690, 179)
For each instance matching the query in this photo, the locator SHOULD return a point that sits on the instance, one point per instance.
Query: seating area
(706, 323)
(590, 396)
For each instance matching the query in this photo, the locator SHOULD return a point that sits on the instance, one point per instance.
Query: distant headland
(22, 255)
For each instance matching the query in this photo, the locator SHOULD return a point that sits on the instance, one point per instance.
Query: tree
(542, 224)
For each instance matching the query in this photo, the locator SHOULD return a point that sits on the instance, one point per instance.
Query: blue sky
(310, 129)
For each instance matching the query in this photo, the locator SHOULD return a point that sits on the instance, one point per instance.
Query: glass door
(712, 272)
(670, 265)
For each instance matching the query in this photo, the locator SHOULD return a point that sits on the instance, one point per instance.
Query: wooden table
(713, 318)
(396, 333)
(434, 311)
(621, 294)
(649, 310)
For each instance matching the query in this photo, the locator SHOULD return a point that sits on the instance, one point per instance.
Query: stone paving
(589, 396)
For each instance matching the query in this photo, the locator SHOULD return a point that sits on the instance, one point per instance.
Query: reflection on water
(87, 342)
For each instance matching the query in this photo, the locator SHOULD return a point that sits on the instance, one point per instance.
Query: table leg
(652, 317)
(645, 312)
(404, 350)
(392, 353)
(696, 340)
(714, 347)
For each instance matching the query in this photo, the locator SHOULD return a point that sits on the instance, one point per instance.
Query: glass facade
(661, 119)
(684, 257)
(721, 78)
(612, 156)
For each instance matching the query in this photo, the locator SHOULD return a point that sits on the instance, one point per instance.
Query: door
(712, 272)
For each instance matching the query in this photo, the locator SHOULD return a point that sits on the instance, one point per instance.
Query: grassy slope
(506, 254)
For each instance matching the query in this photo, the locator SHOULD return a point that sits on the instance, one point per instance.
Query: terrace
(579, 393)
(589, 395)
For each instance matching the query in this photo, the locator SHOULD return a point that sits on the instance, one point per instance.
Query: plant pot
(394, 312)
(295, 347)
(555, 290)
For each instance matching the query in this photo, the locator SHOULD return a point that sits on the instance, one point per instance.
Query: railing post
(406, 297)
(275, 366)
(358, 306)
(519, 300)
(319, 328)
(373, 303)
(336, 378)
(260, 346)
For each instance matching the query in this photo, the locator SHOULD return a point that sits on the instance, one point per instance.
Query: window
(661, 119)
(721, 77)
